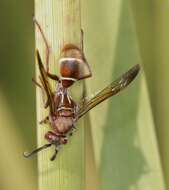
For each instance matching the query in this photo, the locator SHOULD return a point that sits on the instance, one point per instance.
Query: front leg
(72, 130)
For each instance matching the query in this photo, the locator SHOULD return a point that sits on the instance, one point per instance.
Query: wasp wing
(45, 82)
(112, 89)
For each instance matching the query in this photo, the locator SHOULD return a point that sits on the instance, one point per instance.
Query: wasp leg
(45, 41)
(45, 120)
(72, 131)
(52, 76)
(46, 103)
(82, 37)
(85, 61)
(36, 83)
(55, 153)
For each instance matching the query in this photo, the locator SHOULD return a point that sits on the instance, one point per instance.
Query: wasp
(64, 112)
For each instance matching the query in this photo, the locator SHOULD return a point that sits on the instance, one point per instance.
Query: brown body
(64, 114)
(63, 111)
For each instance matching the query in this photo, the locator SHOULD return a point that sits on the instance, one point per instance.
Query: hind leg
(85, 60)
(52, 76)
(45, 41)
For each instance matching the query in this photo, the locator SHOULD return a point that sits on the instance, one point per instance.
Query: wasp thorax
(63, 124)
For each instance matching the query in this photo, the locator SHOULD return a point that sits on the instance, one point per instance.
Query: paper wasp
(64, 112)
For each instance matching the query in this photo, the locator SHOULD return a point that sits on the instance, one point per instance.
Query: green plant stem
(60, 21)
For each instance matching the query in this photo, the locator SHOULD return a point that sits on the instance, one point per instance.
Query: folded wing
(109, 91)
(45, 83)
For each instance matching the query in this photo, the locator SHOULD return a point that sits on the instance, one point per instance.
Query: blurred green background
(118, 34)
